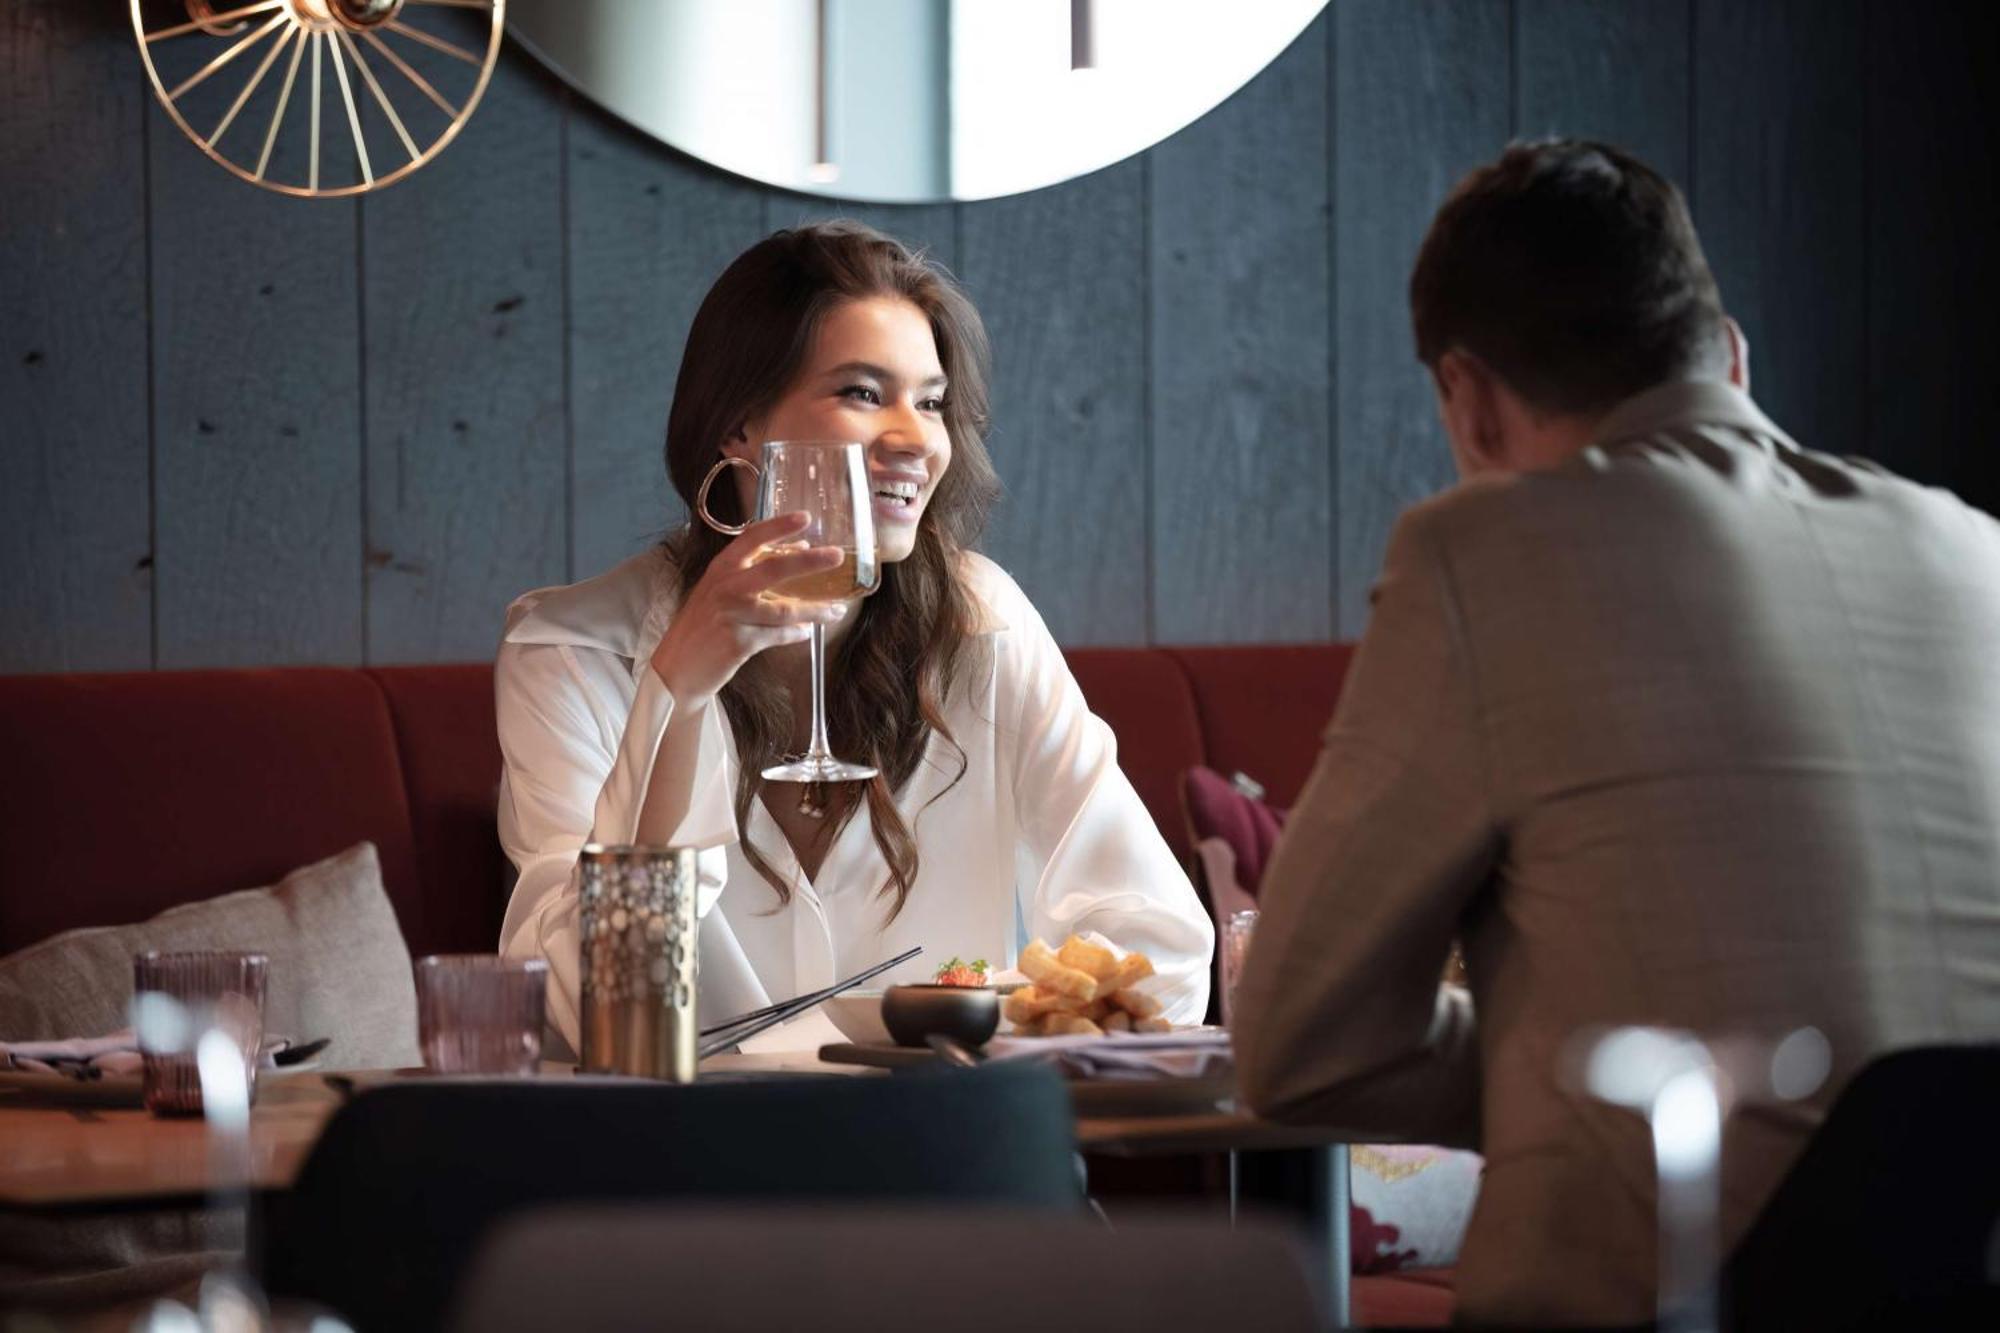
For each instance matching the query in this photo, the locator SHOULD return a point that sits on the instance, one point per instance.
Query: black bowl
(966, 1014)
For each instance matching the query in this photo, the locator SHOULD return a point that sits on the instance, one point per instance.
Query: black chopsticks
(745, 1026)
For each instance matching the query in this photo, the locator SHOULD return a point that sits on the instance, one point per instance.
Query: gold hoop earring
(701, 496)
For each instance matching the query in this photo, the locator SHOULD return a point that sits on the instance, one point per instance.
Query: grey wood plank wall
(1420, 97)
(76, 548)
(240, 429)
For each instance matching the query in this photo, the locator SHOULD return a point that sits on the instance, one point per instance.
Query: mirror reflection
(908, 101)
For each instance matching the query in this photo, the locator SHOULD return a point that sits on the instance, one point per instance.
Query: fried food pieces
(1082, 989)
(1055, 977)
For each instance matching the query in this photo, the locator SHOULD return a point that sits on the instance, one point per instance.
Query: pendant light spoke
(284, 100)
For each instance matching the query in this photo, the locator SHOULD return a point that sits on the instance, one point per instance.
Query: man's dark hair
(1572, 270)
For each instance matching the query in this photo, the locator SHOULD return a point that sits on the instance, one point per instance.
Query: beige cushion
(339, 967)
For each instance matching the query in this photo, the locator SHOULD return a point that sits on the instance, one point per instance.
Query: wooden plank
(1238, 252)
(1780, 199)
(649, 231)
(1060, 278)
(257, 417)
(1612, 70)
(931, 228)
(1418, 101)
(74, 494)
(463, 338)
(1933, 191)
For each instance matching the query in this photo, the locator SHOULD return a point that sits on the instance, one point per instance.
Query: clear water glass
(1236, 933)
(480, 1013)
(177, 999)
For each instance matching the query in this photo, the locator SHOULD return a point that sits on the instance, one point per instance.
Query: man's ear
(1471, 412)
(1739, 354)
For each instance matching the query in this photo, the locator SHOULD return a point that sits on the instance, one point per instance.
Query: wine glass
(828, 480)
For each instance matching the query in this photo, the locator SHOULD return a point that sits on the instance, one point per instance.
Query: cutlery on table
(953, 1051)
(745, 1026)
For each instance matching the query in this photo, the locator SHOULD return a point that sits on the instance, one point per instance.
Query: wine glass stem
(819, 748)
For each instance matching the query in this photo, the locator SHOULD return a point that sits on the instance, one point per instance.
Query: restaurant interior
(366, 962)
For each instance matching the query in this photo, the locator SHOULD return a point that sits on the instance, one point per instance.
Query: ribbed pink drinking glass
(478, 1013)
(1236, 933)
(180, 997)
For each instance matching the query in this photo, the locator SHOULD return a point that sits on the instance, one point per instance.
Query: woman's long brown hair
(912, 641)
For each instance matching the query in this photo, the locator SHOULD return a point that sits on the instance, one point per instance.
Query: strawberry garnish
(957, 973)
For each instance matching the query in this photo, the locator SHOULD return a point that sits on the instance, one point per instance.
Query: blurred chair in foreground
(880, 1271)
(1891, 1216)
(408, 1178)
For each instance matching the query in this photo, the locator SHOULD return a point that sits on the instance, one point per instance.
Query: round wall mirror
(908, 101)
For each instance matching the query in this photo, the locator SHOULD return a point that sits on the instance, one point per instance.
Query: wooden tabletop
(98, 1155)
(1206, 1132)
(52, 1156)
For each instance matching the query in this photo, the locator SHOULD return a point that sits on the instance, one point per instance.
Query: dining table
(65, 1157)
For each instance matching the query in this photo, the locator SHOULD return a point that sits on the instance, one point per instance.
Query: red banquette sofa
(126, 794)
(129, 793)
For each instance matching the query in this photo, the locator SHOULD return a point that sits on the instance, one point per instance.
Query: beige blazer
(1702, 730)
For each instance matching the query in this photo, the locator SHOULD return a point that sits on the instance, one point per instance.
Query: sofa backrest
(1143, 694)
(1264, 709)
(127, 794)
(443, 717)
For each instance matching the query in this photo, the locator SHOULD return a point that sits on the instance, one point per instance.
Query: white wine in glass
(842, 583)
(828, 480)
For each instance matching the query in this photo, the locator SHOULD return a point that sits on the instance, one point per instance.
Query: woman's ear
(737, 444)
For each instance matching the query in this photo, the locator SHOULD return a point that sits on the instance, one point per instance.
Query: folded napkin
(1195, 1053)
(114, 1054)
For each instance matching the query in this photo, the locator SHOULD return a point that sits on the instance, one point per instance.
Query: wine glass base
(807, 768)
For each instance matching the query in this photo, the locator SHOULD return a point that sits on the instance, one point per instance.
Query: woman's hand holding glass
(734, 610)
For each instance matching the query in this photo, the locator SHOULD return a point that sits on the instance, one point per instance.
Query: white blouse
(1043, 836)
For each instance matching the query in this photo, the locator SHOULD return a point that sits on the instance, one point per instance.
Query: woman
(641, 705)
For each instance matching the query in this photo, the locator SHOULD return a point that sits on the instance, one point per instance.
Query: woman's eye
(861, 393)
(931, 405)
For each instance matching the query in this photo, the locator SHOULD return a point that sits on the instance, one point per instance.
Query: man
(1672, 721)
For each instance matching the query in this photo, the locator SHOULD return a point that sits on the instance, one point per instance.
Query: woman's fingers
(782, 635)
(775, 569)
(770, 612)
(754, 639)
(762, 533)
(738, 609)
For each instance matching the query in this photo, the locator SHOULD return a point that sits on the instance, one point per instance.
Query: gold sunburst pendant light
(320, 98)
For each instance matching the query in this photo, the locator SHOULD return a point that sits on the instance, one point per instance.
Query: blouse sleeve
(578, 769)
(1099, 861)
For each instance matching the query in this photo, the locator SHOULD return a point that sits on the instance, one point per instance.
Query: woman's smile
(897, 496)
(872, 376)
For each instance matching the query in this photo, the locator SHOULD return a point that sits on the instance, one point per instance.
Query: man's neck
(1540, 442)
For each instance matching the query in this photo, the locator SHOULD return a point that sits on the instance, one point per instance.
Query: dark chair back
(1891, 1218)
(408, 1178)
(881, 1270)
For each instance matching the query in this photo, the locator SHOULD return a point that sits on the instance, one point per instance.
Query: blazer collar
(1684, 404)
